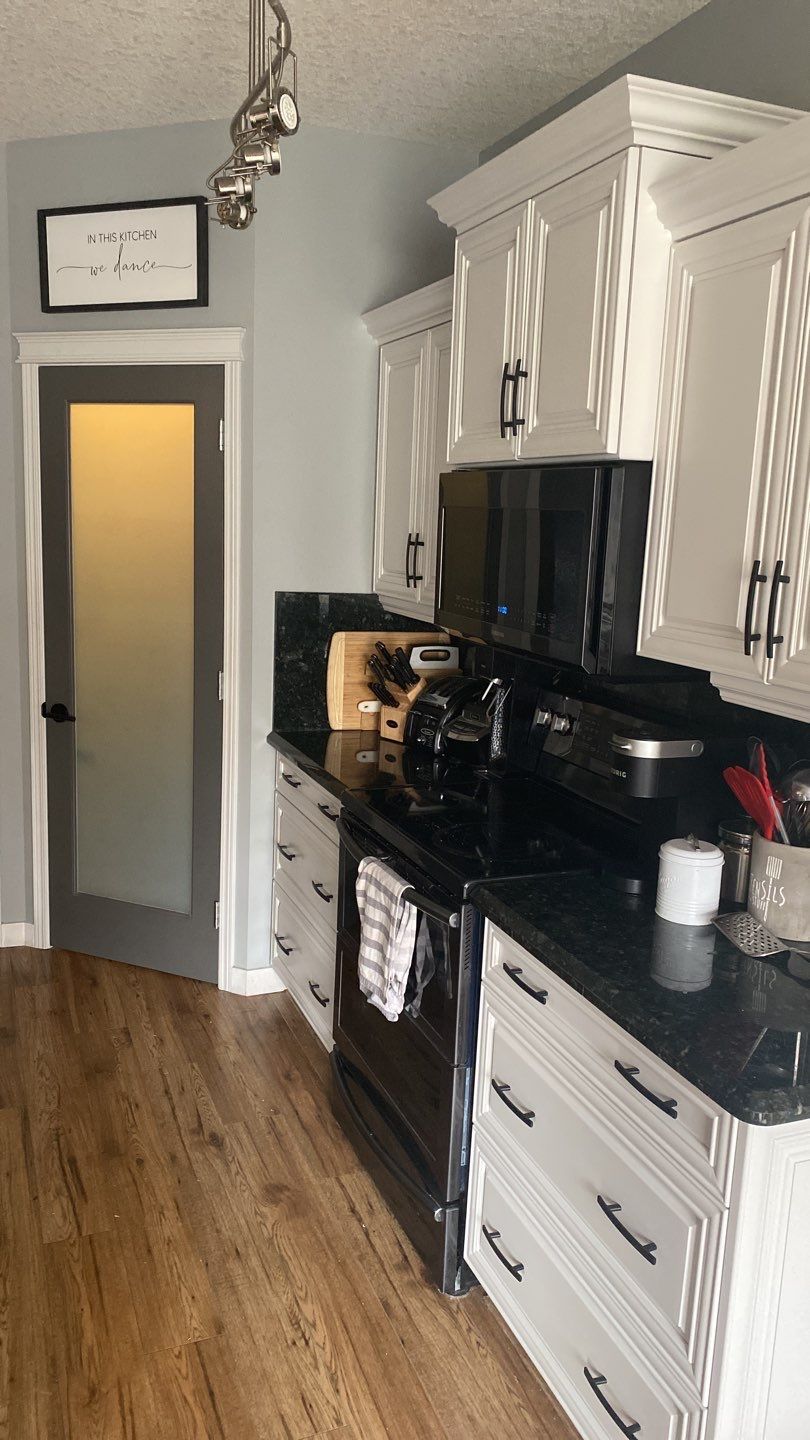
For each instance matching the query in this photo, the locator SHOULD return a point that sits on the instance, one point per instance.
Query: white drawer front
(307, 865)
(683, 1122)
(556, 1313)
(311, 799)
(305, 961)
(629, 1201)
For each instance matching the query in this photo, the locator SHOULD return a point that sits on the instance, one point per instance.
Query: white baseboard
(20, 933)
(262, 981)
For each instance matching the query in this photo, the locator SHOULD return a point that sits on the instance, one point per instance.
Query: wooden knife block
(392, 722)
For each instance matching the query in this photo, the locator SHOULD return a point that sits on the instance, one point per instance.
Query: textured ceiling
(466, 69)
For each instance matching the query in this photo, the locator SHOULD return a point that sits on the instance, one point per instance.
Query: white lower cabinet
(305, 961)
(649, 1251)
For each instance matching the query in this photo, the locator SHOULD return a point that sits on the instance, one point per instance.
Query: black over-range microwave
(547, 559)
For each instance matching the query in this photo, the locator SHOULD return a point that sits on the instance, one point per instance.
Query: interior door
(488, 306)
(720, 450)
(402, 372)
(132, 514)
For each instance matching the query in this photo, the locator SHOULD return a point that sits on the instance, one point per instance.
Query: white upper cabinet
(561, 263)
(415, 345)
(727, 571)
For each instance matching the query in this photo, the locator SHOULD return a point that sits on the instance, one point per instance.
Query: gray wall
(755, 48)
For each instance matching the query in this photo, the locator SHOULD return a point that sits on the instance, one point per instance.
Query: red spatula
(753, 797)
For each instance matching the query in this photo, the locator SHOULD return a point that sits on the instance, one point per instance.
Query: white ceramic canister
(689, 873)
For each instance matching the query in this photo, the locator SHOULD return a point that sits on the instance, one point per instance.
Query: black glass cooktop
(463, 828)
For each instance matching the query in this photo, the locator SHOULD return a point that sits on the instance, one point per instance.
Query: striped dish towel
(387, 936)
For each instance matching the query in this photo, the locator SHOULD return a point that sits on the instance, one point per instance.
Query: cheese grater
(749, 935)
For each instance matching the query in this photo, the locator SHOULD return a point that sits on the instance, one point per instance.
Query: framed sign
(141, 255)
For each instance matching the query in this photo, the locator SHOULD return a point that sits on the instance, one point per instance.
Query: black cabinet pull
(59, 713)
(416, 545)
(321, 999)
(285, 949)
(502, 1091)
(319, 890)
(330, 814)
(779, 578)
(502, 410)
(408, 581)
(296, 784)
(286, 852)
(516, 1270)
(596, 1382)
(517, 420)
(757, 578)
(629, 1073)
(514, 972)
(612, 1209)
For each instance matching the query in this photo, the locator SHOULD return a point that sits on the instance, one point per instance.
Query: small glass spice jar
(734, 839)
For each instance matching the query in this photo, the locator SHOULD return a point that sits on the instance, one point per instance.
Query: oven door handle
(442, 913)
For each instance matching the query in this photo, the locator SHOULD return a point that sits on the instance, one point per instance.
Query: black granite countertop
(738, 1028)
(329, 756)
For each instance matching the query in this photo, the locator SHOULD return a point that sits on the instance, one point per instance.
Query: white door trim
(136, 347)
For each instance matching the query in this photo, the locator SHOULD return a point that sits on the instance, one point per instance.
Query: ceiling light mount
(268, 114)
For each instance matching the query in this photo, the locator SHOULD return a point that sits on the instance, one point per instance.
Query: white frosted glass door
(132, 556)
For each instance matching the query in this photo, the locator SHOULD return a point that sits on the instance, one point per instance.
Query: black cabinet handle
(502, 1091)
(319, 890)
(757, 578)
(596, 1382)
(517, 420)
(59, 713)
(408, 580)
(321, 999)
(502, 410)
(285, 949)
(296, 784)
(612, 1209)
(779, 578)
(514, 972)
(330, 814)
(629, 1073)
(286, 852)
(416, 545)
(516, 1270)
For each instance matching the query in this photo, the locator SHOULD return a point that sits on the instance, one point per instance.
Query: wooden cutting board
(347, 674)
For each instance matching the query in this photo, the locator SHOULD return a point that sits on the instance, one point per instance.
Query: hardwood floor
(188, 1247)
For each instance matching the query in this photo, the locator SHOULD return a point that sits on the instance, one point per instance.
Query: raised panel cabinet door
(488, 306)
(435, 460)
(402, 375)
(719, 469)
(581, 242)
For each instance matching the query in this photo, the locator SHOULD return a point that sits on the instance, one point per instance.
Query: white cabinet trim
(432, 305)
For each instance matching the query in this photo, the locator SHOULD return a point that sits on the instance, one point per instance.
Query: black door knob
(58, 713)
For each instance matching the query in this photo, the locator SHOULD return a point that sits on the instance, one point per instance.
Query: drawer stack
(305, 880)
(598, 1204)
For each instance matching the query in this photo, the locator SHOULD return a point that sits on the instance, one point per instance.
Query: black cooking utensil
(383, 694)
(377, 670)
(386, 657)
(407, 670)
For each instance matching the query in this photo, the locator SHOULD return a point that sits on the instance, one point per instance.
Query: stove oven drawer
(305, 962)
(307, 865)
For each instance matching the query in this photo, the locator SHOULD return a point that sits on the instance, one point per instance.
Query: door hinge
(221, 684)
(221, 435)
(216, 916)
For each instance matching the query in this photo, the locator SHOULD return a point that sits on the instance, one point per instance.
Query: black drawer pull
(596, 1382)
(514, 972)
(321, 999)
(502, 1092)
(629, 1073)
(408, 579)
(516, 1270)
(757, 577)
(286, 852)
(612, 1209)
(519, 375)
(330, 814)
(502, 411)
(296, 784)
(285, 949)
(417, 545)
(771, 639)
(319, 890)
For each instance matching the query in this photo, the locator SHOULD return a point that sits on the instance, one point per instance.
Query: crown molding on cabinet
(771, 171)
(634, 110)
(422, 309)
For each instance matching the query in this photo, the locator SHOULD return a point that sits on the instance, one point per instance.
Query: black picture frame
(201, 299)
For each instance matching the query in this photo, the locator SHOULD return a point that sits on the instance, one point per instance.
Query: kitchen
(562, 731)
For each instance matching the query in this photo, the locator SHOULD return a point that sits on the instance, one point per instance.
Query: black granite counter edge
(291, 747)
(774, 1107)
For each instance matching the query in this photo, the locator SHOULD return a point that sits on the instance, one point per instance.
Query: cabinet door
(581, 242)
(720, 449)
(488, 305)
(435, 461)
(402, 374)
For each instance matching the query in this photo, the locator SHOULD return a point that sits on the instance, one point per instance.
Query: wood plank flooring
(189, 1247)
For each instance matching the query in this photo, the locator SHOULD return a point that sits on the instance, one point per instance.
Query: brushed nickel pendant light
(268, 112)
